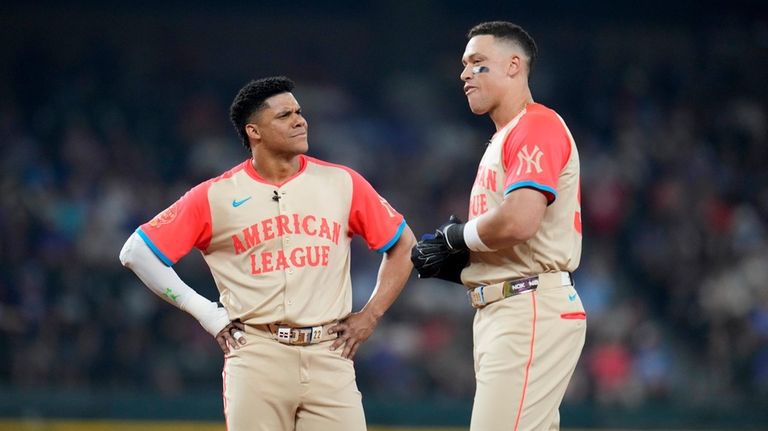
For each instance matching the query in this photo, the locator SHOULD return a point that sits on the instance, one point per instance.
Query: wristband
(472, 237)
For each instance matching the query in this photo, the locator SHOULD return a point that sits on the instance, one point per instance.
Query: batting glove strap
(454, 236)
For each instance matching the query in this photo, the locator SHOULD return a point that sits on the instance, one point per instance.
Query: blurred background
(110, 111)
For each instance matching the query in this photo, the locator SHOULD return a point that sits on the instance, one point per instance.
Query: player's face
(281, 127)
(485, 73)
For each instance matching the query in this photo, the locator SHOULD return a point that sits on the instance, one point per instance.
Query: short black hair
(252, 98)
(509, 32)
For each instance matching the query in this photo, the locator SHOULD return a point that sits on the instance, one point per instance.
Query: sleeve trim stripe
(394, 239)
(535, 185)
(163, 258)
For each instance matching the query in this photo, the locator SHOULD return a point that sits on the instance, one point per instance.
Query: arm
(395, 268)
(515, 221)
(527, 191)
(164, 282)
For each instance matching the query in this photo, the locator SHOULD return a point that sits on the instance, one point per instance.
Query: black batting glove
(430, 254)
(433, 257)
(454, 233)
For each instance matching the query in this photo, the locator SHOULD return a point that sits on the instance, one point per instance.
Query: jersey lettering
(478, 205)
(299, 257)
(251, 236)
(486, 178)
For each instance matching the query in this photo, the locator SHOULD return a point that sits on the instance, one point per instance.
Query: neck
(275, 169)
(510, 107)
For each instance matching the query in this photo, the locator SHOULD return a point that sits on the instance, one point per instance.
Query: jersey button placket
(286, 241)
(281, 201)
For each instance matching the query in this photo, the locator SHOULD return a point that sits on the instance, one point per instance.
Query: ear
(252, 131)
(515, 65)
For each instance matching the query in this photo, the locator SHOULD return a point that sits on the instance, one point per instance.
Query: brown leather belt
(481, 296)
(302, 336)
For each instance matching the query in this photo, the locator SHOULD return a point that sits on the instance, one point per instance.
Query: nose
(466, 73)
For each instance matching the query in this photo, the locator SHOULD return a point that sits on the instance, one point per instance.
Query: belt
(481, 296)
(299, 336)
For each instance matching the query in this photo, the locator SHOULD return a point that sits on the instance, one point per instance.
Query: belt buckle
(284, 334)
(521, 285)
(302, 336)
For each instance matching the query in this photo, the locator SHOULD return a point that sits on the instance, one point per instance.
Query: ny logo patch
(531, 160)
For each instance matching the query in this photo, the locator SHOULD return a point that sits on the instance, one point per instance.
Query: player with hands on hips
(522, 241)
(275, 231)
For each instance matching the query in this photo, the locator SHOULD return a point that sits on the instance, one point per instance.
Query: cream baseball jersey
(278, 253)
(534, 150)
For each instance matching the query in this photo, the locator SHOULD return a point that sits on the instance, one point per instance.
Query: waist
(294, 336)
(521, 261)
(481, 296)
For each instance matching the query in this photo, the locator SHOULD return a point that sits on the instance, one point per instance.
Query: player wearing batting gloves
(521, 243)
(275, 231)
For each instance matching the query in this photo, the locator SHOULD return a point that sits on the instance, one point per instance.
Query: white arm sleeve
(165, 283)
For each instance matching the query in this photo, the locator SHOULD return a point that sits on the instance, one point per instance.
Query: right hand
(432, 257)
(231, 336)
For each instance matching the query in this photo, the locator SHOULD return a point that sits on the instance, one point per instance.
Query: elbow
(126, 257)
(408, 238)
(525, 233)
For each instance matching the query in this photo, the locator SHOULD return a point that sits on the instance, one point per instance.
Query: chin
(478, 110)
(476, 107)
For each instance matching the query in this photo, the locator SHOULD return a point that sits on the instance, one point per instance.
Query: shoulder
(329, 168)
(204, 186)
(538, 115)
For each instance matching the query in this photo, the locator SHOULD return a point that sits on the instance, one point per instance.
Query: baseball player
(275, 231)
(521, 243)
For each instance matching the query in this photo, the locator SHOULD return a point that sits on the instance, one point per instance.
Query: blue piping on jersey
(394, 239)
(154, 248)
(537, 186)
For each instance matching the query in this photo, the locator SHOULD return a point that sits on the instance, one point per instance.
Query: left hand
(231, 336)
(353, 331)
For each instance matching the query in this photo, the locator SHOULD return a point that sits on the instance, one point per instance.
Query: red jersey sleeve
(372, 217)
(534, 154)
(183, 225)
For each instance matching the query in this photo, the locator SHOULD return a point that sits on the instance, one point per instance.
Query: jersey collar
(255, 175)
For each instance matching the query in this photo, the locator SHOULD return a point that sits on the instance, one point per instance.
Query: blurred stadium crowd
(101, 131)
